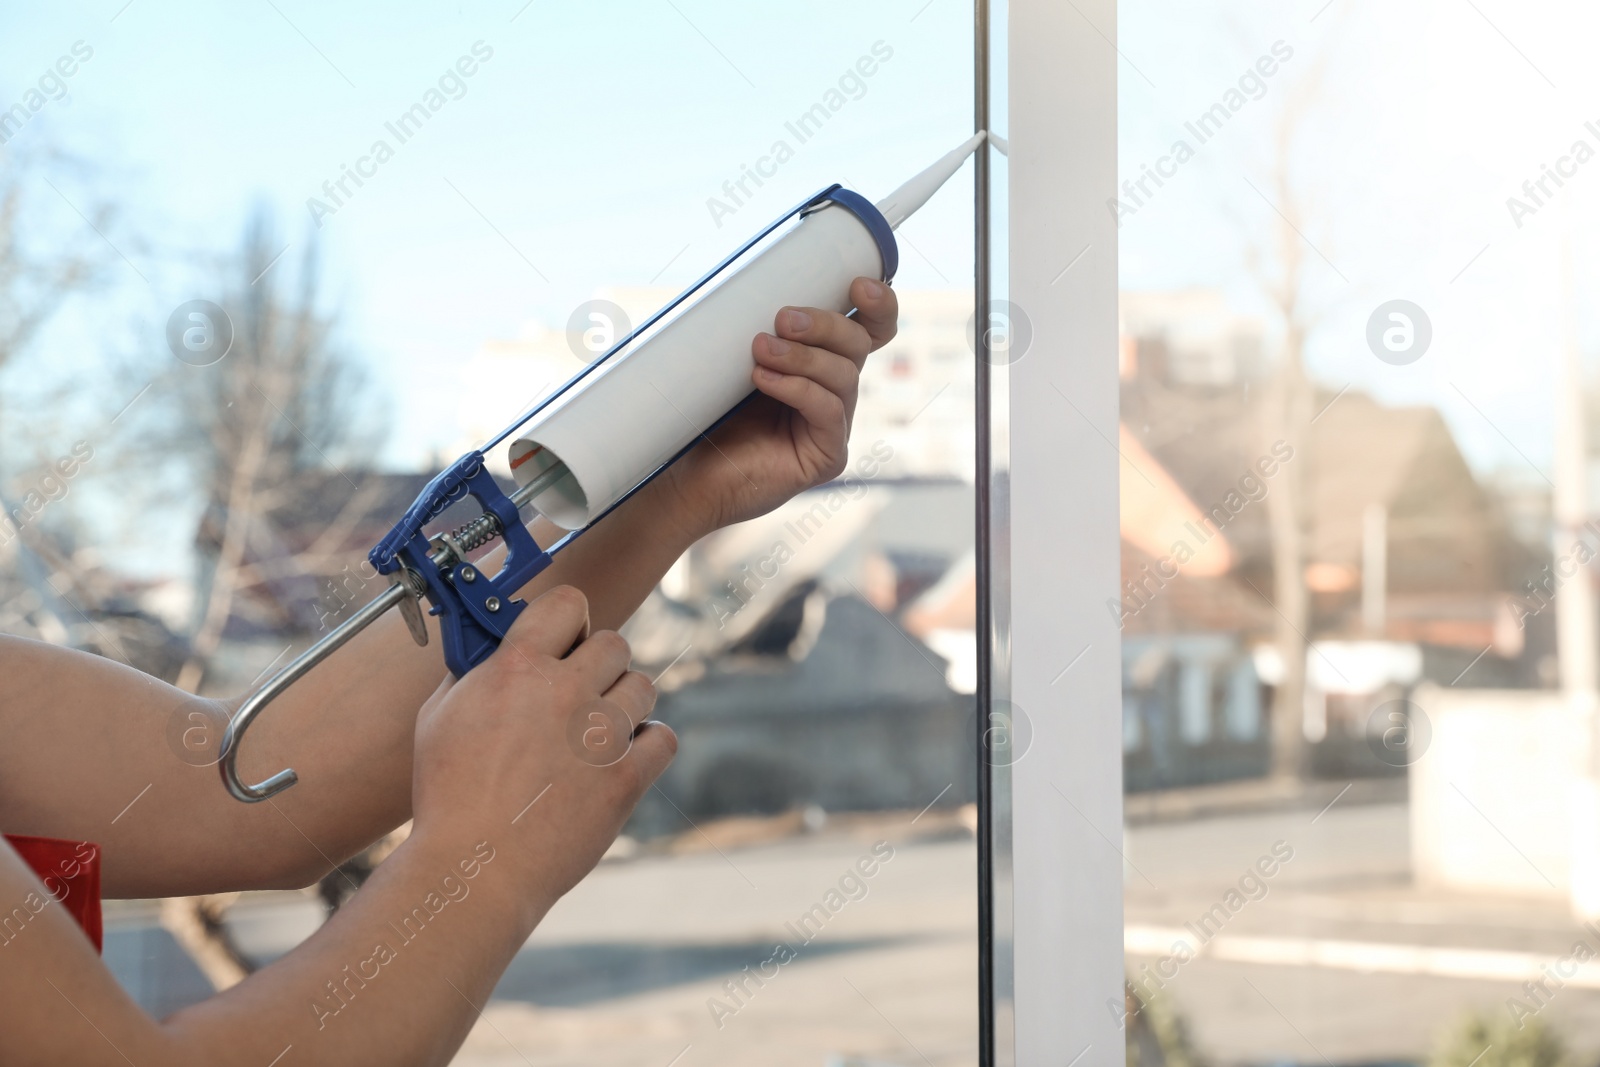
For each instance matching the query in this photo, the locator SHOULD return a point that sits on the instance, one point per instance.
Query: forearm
(394, 978)
(86, 737)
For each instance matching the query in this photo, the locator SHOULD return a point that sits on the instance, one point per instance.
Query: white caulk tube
(647, 403)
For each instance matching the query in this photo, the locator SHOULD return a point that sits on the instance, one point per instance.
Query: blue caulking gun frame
(475, 610)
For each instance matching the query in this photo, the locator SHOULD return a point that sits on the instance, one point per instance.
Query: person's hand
(531, 750)
(796, 435)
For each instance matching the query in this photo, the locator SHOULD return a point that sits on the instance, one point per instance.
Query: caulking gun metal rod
(545, 479)
(443, 556)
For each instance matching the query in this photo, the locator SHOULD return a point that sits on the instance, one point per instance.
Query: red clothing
(70, 870)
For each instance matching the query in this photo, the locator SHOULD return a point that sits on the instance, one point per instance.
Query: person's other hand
(533, 751)
(796, 434)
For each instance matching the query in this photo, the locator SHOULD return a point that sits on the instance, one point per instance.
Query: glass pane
(801, 887)
(1009, 337)
(1358, 682)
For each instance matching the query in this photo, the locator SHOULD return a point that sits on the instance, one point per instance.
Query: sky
(1429, 116)
(583, 150)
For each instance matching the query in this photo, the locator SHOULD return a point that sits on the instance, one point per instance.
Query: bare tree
(251, 428)
(1287, 414)
(275, 414)
(56, 234)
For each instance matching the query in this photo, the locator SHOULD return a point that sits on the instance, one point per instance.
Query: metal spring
(480, 531)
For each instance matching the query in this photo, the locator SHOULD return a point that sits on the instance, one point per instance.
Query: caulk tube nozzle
(904, 201)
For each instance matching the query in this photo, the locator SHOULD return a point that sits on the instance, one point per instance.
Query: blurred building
(917, 391)
(1411, 561)
(790, 664)
(1189, 337)
(56, 589)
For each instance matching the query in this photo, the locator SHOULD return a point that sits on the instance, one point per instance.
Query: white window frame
(1055, 840)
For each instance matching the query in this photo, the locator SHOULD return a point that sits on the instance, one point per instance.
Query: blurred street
(1346, 896)
(622, 970)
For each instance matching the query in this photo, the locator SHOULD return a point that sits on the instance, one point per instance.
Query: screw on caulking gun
(605, 434)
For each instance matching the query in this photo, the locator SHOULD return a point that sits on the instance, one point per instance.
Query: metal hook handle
(258, 701)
